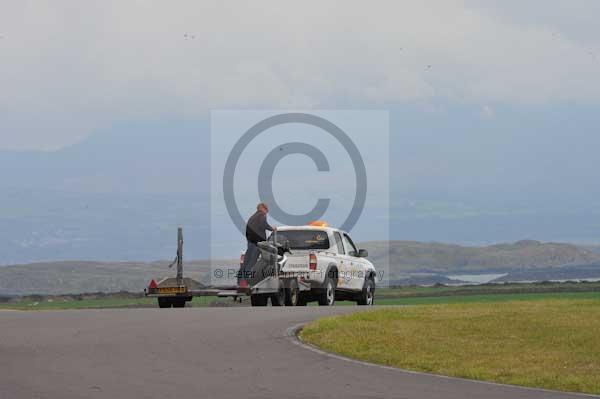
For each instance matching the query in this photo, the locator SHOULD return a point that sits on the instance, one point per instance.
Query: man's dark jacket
(256, 227)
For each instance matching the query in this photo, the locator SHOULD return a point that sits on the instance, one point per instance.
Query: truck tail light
(312, 262)
(242, 259)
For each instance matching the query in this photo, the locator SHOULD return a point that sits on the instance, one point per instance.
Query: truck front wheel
(367, 295)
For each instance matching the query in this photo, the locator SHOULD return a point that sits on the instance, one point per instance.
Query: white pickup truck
(322, 264)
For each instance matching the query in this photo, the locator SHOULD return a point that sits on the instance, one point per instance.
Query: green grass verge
(510, 288)
(98, 303)
(384, 296)
(432, 300)
(549, 343)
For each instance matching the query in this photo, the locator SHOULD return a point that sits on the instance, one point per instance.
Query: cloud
(69, 68)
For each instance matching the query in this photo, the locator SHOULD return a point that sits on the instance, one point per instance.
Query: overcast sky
(68, 68)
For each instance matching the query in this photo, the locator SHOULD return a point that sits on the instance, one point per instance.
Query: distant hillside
(410, 263)
(409, 256)
(80, 277)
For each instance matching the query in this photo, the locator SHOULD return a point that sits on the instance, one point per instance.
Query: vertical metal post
(276, 254)
(179, 256)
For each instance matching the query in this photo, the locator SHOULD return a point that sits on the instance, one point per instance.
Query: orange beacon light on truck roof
(318, 223)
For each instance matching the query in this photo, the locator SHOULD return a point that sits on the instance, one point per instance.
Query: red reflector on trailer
(152, 284)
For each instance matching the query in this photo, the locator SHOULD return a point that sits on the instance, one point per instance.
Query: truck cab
(327, 260)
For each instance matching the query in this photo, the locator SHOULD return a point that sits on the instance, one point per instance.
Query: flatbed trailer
(176, 291)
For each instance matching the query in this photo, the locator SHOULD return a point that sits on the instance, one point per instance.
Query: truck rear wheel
(258, 300)
(292, 293)
(327, 294)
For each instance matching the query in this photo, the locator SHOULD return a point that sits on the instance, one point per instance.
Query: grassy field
(142, 302)
(551, 342)
(384, 296)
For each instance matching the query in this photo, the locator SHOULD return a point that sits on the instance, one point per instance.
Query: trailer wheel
(179, 303)
(327, 294)
(302, 299)
(278, 299)
(292, 293)
(164, 303)
(258, 300)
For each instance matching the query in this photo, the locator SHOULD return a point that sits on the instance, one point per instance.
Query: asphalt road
(199, 353)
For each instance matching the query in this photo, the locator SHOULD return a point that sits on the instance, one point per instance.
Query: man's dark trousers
(250, 258)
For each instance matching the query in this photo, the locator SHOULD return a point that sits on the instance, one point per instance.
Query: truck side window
(338, 242)
(350, 248)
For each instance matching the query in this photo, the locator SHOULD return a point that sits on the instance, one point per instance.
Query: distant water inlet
(477, 278)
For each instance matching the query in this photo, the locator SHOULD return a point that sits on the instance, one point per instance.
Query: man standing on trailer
(255, 232)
